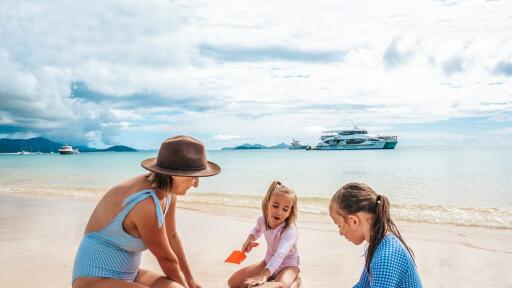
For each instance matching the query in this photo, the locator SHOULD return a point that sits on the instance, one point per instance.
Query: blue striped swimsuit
(111, 252)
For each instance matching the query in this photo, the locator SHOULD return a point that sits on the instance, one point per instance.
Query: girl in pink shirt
(277, 225)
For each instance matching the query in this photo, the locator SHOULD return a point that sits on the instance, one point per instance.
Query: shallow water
(462, 186)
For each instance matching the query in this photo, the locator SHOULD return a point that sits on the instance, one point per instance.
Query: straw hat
(181, 156)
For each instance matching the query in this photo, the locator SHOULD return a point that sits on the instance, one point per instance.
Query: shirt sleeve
(286, 243)
(258, 228)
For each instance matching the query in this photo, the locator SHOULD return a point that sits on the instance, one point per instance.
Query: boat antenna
(354, 124)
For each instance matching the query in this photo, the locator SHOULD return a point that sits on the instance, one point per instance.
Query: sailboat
(22, 152)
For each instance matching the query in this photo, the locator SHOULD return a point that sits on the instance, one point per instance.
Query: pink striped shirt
(281, 247)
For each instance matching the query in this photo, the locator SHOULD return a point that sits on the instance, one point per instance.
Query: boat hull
(379, 145)
(390, 145)
(302, 147)
(66, 152)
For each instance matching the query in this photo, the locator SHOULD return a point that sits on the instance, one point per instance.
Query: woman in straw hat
(138, 214)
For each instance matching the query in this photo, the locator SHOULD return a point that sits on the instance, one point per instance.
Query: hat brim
(210, 170)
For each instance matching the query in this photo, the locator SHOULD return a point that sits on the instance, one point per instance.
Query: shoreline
(201, 203)
(36, 229)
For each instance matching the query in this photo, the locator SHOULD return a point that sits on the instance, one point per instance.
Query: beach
(39, 236)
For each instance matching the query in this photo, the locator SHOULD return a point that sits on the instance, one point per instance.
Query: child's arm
(283, 248)
(247, 246)
(259, 279)
(255, 234)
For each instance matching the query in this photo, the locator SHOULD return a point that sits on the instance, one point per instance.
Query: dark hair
(159, 181)
(356, 197)
(276, 186)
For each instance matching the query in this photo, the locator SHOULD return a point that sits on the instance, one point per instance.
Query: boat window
(355, 141)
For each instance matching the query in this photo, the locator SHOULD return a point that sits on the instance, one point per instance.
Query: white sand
(39, 238)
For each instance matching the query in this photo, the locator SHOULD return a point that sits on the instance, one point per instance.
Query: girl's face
(180, 185)
(350, 227)
(278, 208)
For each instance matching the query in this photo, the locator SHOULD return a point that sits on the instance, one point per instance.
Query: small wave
(436, 214)
(498, 218)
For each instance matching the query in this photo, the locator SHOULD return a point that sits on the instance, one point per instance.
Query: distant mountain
(280, 146)
(248, 146)
(40, 144)
(120, 148)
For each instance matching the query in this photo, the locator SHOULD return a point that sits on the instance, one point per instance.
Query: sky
(103, 73)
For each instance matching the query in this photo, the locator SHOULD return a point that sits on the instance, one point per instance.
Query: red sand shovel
(236, 257)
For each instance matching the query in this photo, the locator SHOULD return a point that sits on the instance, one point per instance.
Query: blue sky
(133, 73)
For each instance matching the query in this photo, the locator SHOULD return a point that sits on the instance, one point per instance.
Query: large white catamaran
(354, 139)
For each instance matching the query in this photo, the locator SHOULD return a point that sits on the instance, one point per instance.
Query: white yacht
(295, 145)
(355, 139)
(66, 149)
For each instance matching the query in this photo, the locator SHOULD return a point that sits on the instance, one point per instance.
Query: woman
(138, 214)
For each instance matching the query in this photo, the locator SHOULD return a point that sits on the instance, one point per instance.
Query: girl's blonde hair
(275, 187)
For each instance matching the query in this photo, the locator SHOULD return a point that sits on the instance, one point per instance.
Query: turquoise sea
(450, 185)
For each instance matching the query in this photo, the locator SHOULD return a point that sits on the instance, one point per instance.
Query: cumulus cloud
(398, 52)
(227, 137)
(99, 71)
(254, 54)
(454, 65)
(504, 68)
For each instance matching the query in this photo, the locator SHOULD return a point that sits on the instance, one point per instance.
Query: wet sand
(39, 237)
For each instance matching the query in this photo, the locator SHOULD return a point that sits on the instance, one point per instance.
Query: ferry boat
(295, 145)
(355, 139)
(66, 149)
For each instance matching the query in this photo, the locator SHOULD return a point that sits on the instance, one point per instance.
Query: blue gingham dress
(391, 266)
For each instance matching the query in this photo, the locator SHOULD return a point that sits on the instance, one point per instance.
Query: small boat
(67, 149)
(295, 145)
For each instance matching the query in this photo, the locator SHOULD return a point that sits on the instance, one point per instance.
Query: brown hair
(356, 197)
(276, 186)
(159, 181)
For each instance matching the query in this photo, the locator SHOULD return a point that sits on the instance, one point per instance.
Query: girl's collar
(278, 226)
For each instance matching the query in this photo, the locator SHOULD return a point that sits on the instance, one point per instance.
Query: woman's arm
(155, 238)
(174, 241)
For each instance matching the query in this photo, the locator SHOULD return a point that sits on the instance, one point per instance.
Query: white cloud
(227, 137)
(274, 70)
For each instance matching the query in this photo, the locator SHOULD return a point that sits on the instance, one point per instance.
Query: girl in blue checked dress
(363, 215)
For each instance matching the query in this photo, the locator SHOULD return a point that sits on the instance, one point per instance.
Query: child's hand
(256, 281)
(247, 246)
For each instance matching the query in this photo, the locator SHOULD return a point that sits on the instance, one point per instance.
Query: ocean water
(459, 186)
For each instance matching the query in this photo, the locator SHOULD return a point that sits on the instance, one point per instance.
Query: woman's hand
(193, 284)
